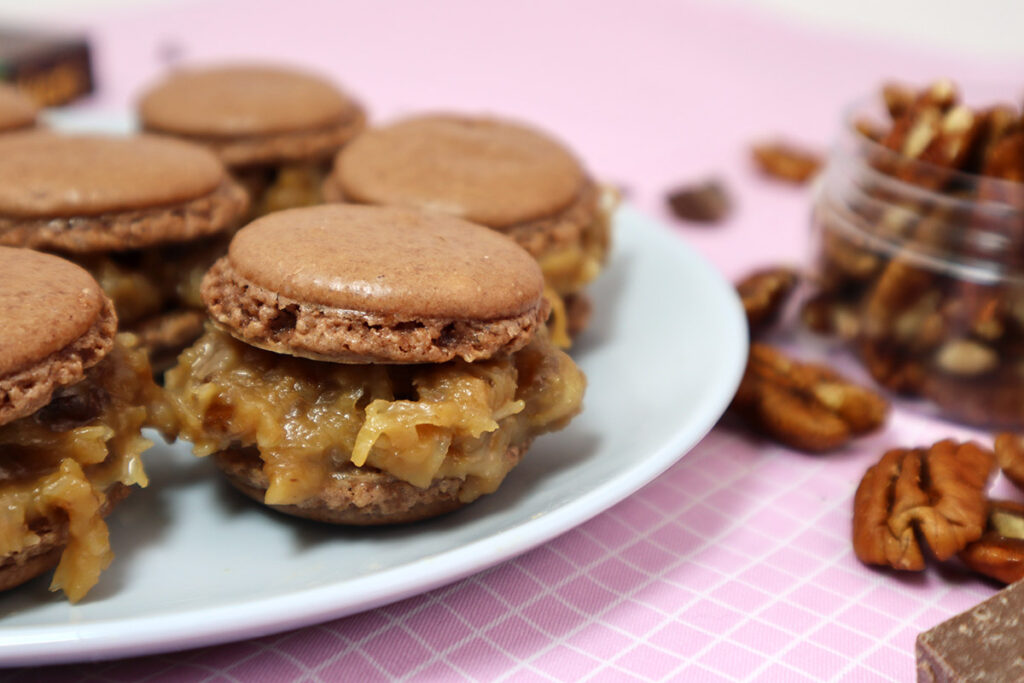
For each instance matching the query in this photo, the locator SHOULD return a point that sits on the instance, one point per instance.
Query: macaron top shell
(388, 260)
(243, 100)
(16, 109)
(363, 284)
(47, 303)
(57, 323)
(489, 171)
(46, 175)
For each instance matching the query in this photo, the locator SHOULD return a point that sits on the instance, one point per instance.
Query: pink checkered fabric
(736, 564)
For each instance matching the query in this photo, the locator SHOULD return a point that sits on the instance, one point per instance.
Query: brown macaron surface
(497, 173)
(57, 323)
(360, 284)
(45, 175)
(145, 215)
(73, 399)
(243, 100)
(253, 114)
(17, 111)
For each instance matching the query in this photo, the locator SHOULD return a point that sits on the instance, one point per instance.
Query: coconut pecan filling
(275, 187)
(312, 420)
(571, 249)
(572, 246)
(58, 465)
(147, 282)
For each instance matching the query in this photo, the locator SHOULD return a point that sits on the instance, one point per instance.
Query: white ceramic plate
(197, 564)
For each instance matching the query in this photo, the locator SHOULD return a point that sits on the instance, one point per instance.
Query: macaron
(17, 111)
(73, 398)
(145, 215)
(371, 365)
(275, 128)
(498, 173)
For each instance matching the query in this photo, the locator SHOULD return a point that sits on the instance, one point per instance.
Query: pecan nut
(706, 202)
(937, 494)
(1009, 450)
(786, 161)
(827, 314)
(999, 553)
(764, 294)
(806, 406)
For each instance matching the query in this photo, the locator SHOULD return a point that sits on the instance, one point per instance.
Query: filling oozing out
(570, 266)
(284, 186)
(147, 282)
(418, 423)
(57, 465)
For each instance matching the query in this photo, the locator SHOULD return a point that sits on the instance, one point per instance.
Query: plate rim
(190, 628)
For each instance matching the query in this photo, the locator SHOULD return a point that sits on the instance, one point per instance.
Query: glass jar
(920, 269)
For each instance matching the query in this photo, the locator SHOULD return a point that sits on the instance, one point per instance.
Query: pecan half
(826, 314)
(706, 202)
(999, 553)
(786, 161)
(1005, 158)
(936, 493)
(764, 294)
(806, 406)
(1009, 450)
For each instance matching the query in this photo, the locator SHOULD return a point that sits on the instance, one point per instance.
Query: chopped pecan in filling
(147, 282)
(418, 423)
(572, 246)
(284, 186)
(58, 465)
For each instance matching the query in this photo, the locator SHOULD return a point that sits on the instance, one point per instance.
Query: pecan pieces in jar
(936, 495)
(920, 228)
(802, 405)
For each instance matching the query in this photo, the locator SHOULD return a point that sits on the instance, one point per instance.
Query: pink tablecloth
(735, 564)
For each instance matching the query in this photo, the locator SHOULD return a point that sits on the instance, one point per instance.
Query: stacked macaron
(371, 365)
(145, 215)
(276, 129)
(507, 176)
(73, 398)
(376, 362)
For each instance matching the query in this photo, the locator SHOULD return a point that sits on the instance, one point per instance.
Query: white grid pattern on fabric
(586, 599)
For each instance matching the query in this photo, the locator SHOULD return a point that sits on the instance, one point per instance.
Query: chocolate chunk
(705, 202)
(51, 68)
(985, 643)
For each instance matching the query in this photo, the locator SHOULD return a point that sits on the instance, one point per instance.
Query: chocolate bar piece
(985, 643)
(52, 69)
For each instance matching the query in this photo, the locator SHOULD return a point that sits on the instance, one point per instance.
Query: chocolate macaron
(73, 398)
(371, 365)
(275, 128)
(145, 215)
(507, 176)
(17, 111)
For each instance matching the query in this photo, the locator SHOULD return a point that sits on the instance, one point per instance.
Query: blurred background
(983, 27)
(649, 92)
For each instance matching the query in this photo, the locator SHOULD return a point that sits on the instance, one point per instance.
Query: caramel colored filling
(572, 246)
(567, 269)
(419, 423)
(57, 464)
(146, 282)
(285, 186)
